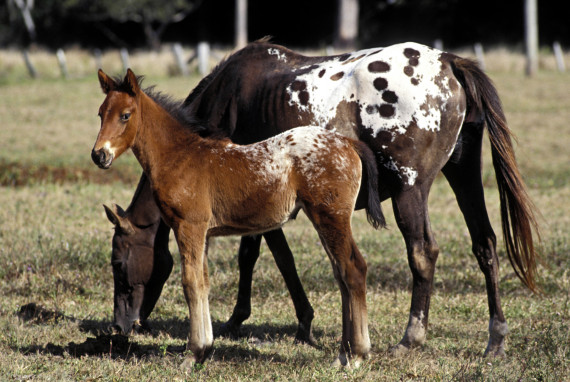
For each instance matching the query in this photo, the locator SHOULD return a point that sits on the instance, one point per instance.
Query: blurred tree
(154, 16)
(24, 9)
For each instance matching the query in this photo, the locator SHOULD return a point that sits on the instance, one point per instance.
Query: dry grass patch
(55, 253)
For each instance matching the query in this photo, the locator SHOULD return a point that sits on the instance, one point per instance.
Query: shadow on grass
(100, 343)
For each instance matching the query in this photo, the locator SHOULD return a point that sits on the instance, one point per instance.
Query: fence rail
(200, 59)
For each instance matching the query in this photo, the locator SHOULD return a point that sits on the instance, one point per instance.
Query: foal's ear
(132, 81)
(107, 83)
(117, 217)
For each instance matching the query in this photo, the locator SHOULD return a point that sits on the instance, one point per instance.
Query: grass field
(55, 253)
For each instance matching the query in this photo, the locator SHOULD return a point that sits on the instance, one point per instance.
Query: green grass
(55, 252)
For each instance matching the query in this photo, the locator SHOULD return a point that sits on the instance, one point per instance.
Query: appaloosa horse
(208, 187)
(422, 111)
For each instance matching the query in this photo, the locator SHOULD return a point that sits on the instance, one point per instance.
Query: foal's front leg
(191, 239)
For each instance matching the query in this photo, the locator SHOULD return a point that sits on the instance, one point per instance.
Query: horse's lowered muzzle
(126, 328)
(102, 158)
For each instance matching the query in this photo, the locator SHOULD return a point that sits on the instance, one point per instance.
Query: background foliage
(301, 23)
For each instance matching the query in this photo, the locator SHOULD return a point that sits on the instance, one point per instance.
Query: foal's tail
(517, 210)
(373, 209)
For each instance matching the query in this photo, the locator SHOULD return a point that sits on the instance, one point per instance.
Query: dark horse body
(421, 111)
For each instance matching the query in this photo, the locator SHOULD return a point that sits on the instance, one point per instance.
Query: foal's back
(259, 187)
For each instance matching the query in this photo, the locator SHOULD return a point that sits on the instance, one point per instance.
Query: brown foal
(211, 187)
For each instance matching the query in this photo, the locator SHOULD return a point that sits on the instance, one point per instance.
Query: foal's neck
(159, 136)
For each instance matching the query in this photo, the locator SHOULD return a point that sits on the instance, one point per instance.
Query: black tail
(517, 210)
(373, 208)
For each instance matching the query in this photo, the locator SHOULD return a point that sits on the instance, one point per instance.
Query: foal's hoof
(348, 363)
(194, 360)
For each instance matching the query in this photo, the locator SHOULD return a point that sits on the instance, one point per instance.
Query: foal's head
(120, 118)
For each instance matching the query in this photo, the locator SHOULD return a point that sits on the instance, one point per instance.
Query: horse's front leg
(247, 257)
(191, 239)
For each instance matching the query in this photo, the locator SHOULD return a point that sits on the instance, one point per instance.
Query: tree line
(149, 23)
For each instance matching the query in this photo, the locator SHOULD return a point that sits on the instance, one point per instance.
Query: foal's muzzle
(102, 158)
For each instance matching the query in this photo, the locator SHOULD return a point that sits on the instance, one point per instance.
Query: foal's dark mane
(176, 108)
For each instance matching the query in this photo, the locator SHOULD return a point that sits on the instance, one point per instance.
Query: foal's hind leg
(349, 268)
(410, 209)
(465, 179)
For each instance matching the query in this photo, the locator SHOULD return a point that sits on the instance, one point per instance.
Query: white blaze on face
(108, 148)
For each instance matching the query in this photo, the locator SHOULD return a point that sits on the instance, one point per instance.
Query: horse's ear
(132, 81)
(107, 83)
(117, 217)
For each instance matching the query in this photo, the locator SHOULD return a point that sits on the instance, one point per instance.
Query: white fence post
(125, 58)
(60, 54)
(438, 44)
(98, 55)
(478, 48)
(241, 23)
(203, 58)
(531, 36)
(179, 57)
(31, 69)
(559, 55)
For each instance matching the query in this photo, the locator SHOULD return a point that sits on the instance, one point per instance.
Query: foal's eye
(125, 117)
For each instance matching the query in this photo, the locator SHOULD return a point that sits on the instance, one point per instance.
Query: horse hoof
(341, 361)
(498, 352)
(399, 350)
(228, 330)
(141, 327)
(189, 364)
(304, 338)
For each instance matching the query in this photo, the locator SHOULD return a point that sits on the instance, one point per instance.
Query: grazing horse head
(117, 132)
(140, 260)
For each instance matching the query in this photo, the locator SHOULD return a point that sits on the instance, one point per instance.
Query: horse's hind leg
(410, 209)
(286, 263)
(464, 176)
(349, 268)
(248, 254)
